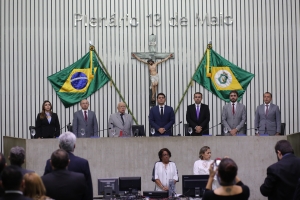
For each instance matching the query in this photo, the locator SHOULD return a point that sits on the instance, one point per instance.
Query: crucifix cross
(151, 57)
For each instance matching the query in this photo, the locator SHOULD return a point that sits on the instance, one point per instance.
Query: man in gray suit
(234, 115)
(268, 117)
(120, 122)
(85, 122)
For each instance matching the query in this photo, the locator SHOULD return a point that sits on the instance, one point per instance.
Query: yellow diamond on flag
(223, 78)
(78, 81)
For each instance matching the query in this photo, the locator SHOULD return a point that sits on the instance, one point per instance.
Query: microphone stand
(174, 127)
(212, 127)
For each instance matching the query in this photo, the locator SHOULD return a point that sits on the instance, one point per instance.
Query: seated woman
(231, 186)
(34, 187)
(201, 167)
(164, 170)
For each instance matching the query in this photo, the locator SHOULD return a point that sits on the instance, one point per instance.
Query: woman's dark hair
(43, 114)
(227, 171)
(202, 151)
(160, 153)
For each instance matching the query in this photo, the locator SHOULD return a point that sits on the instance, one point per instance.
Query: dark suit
(14, 196)
(65, 185)
(268, 124)
(44, 129)
(166, 121)
(204, 117)
(79, 165)
(90, 126)
(297, 191)
(22, 170)
(282, 177)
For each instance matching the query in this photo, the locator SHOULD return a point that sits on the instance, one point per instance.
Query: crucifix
(151, 57)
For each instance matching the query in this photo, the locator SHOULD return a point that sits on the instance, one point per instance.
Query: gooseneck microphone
(174, 127)
(65, 126)
(211, 127)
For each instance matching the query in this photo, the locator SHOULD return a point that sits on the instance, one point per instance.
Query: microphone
(120, 129)
(65, 126)
(174, 127)
(211, 127)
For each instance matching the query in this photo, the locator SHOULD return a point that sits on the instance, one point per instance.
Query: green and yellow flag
(220, 76)
(79, 80)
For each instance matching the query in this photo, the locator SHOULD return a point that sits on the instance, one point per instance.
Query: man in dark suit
(13, 184)
(234, 115)
(162, 117)
(85, 122)
(268, 117)
(282, 177)
(62, 184)
(198, 116)
(67, 142)
(17, 158)
(120, 122)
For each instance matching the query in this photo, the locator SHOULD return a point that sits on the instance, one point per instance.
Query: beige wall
(115, 157)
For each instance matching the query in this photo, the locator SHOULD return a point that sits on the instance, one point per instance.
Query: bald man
(120, 122)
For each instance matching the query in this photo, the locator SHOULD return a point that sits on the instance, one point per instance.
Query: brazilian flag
(79, 80)
(220, 76)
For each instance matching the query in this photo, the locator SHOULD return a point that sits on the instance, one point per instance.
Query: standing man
(67, 142)
(198, 116)
(268, 117)
(85, 122)
(162, 117)
(121, 122)
(17, 159)
(234, 115)
(282, 176)
(154, 77)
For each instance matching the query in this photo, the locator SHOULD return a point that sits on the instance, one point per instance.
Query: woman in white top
(201, 167)
(164, 170)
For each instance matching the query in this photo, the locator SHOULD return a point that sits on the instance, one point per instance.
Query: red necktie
(233, 108)
(85, 116)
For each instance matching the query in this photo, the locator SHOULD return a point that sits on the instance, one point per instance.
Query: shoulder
(77, 158)
(204, 105)
(54, 114)
(191, 106)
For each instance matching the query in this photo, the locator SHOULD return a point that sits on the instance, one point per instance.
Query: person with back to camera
(164, 170)
(34, 187)
(47, 123)
(201, 166)
(231, 187)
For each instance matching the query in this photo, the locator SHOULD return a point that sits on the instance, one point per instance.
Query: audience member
(34, 187)
(231, 186)
(164, 170)
(17, 158)
(13, 184)
(201, 167)
(2, 166)
(67, 142)
(62, 184)
(282, 176)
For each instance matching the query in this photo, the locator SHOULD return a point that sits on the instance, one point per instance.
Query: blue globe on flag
(79, 80)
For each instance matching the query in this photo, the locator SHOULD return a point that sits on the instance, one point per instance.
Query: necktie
(198, 111)
(122, 119)
(233, 108)
(267, 109)
(85, 116)
(161, 111)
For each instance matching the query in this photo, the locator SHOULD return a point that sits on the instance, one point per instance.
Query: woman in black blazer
(47, 123)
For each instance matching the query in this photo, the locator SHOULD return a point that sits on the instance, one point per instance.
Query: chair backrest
(185, 131)
(140, 128)
(282, 129)
(30, 128)
(70, 128)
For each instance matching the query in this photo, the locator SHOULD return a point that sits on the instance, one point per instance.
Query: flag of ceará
(220, 76)
(79, 80)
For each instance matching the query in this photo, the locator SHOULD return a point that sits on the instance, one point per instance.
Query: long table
(117, 157)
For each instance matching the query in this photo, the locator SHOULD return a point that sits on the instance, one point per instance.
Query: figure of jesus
(154, 77)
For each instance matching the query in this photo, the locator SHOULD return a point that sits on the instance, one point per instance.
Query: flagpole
(209, 46)
(92, 48)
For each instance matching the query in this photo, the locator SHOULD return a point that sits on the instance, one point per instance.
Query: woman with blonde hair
(34, 187)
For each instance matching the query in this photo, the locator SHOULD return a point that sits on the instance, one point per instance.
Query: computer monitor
(156, 194)
(130, 184)
(108, 186)
(138, 130)
(194, 185)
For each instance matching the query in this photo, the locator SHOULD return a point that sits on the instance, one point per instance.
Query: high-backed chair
(282, 128)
